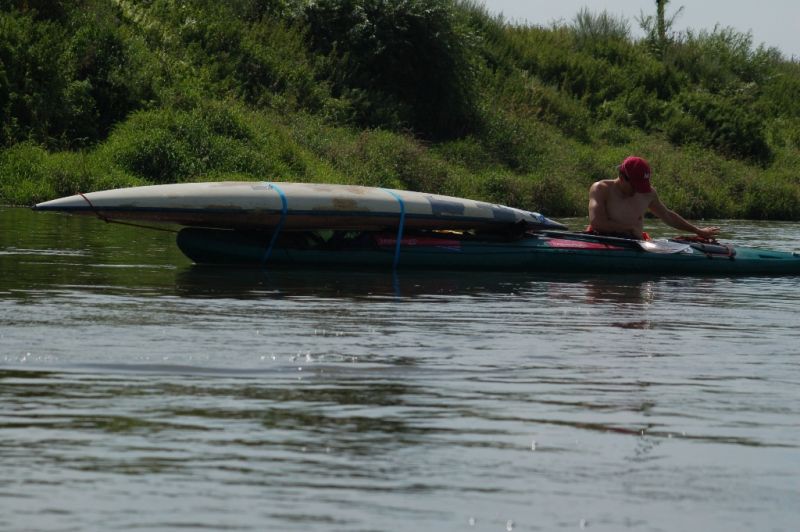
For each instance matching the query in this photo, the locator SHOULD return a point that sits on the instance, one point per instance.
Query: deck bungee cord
(396, 260)
(284, 210)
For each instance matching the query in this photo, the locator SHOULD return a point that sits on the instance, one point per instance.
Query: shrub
(554, 195)
(593, 28)
(23, 174)
(784, 133)
(513, 141)
(733, 127)
(613, 132)
(433, 95)
(101, 62)
(780, 97)
(592, 80)
(29, 174)
(468, 152)
(66, 79)
(261, 59)
(35, 78)
(645, 110)
(528, 98)
(683, 128)
(769, 198)
(547, 194)
(167, 146)
(723, 60)
(385, 159)
(412, 58)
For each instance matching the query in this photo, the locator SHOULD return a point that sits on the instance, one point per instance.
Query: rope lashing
(284, 210)
(400, 227)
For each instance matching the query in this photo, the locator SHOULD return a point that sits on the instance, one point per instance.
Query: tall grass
(431, 95)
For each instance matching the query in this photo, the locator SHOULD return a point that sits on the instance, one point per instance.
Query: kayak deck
(532, 252)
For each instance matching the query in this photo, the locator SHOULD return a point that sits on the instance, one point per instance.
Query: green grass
(228, 141)
(289, 90)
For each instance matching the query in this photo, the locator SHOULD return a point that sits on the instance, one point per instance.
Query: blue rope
(284, 209)
(399, 228)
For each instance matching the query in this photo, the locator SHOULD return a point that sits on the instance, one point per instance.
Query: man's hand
(707, 232)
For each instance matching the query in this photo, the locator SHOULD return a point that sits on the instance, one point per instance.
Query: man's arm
(673, 219)
(598, 215)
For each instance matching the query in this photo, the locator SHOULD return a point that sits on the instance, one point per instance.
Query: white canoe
(293, 206)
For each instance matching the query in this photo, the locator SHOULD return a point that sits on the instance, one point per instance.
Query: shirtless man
(617, 206)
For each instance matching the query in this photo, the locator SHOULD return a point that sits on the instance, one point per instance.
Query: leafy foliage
(435, 95)
(404, 64)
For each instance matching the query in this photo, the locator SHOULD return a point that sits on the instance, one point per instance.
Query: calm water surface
(140, 392)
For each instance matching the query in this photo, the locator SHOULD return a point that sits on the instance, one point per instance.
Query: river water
(140, 392)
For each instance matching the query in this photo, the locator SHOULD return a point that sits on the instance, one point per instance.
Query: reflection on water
(224, 282)
(140, 391)
(214, 281)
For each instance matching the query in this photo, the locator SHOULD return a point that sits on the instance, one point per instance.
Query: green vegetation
(430, 95)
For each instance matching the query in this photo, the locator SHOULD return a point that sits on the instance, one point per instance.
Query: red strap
(81, 194)
(109, 221)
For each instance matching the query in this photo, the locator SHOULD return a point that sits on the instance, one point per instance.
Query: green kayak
(545, 251)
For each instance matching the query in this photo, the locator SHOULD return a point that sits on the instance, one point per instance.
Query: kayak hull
(531, 253)
(293, 206)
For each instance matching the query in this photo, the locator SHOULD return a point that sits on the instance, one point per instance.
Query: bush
(733, 127)
(261, 59)
(170, 146)
(592, 28)
(527, 98)
(385, 159)
(780, 97)
(468, 152)
(513, 141)
(65, 80)
(434, 95)
(23, 175)
(29, 174)
(685, 129)
(102, 64)
(405, 64)
(552, 194)
(505, 189)
(35, 78)
(547, 194)
(723, 60)
(769, 198)
(644, 109)
(784, 133)
(614, 132)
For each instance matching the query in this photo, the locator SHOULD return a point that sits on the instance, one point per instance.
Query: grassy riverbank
(426, 95)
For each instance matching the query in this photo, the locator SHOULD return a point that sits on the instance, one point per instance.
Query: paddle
(650, 246)
(588, 237)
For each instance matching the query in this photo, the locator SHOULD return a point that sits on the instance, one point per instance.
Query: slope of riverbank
(427, 95)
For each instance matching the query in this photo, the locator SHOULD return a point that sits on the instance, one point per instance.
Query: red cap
(637, 171)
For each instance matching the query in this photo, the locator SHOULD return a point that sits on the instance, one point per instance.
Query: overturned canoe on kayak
(294, 206)
(333, 226)
(544, 251)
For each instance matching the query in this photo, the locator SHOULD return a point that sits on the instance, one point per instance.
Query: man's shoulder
(601, 185)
